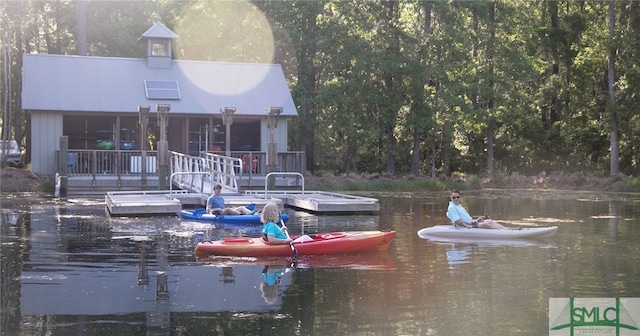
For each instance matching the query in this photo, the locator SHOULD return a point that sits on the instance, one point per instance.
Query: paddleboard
(449, 231)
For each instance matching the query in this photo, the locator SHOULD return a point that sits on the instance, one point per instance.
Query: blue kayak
(201, 215)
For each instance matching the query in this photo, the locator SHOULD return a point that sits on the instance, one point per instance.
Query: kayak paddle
(293, 248)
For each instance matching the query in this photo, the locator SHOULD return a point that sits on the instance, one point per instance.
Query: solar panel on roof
(159, 89)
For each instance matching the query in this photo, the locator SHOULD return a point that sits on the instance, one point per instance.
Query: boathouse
(108, 108)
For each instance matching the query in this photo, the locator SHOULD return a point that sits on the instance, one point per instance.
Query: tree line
(398, 87)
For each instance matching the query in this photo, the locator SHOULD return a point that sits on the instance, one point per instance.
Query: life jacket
(245, 163)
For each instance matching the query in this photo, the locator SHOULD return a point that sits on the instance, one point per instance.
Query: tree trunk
(490, 127)
(446, 149)
(307, 81)
(490, 51)
(81, 43)
(553, 58)
(6, 98)
(417, 132)
(415, 155)
(391, 158)
(612, 95)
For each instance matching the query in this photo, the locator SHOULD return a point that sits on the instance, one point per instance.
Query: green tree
(296, 28)
(409, 86)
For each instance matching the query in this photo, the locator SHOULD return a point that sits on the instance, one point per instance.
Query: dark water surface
(69, 269)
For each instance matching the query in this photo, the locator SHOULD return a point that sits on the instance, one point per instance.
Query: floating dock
(323, 202)
(130, 203)
(122, 203)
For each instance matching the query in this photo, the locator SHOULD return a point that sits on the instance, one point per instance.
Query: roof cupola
(159, 40)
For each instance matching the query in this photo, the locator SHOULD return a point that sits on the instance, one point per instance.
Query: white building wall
(46, 130)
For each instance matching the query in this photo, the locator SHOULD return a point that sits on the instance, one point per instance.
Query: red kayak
(321, 243)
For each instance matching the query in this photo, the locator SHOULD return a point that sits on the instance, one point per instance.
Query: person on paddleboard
(271, 232)
(215, 205)
(459, 215)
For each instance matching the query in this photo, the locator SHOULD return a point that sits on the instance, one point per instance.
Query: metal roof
(109, 84)
(158, 30)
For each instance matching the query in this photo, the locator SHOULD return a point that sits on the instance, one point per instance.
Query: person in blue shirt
(459, 216)
(271, 232)
(215, 205)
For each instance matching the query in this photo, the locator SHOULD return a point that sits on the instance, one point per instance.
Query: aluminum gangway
(200, 173)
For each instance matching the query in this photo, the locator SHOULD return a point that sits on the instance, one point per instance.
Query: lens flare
(225, 31)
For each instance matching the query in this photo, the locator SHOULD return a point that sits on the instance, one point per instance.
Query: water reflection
(81, 263)
(68, 269)
(457, 256)
(460, 251)
(274, 268)
(364, 261)
(271, 275)
(514, 242)
(159, 286)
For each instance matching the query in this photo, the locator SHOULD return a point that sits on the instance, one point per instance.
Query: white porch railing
(126, 166)
(82, 162)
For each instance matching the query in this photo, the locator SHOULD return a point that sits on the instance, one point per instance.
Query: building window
(159, 48)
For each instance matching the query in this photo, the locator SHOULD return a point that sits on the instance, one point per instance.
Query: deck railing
(82, 162)
(133, 165)
(255, 163)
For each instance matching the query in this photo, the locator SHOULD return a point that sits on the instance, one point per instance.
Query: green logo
(603, 316)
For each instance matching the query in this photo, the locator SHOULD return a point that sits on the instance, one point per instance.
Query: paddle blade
(294, 252)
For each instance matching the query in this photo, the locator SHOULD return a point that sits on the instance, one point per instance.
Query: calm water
(68, 269)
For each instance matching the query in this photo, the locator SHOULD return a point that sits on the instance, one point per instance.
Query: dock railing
(255, 163)
(88, 167)
(93, 162)
(274, 174)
